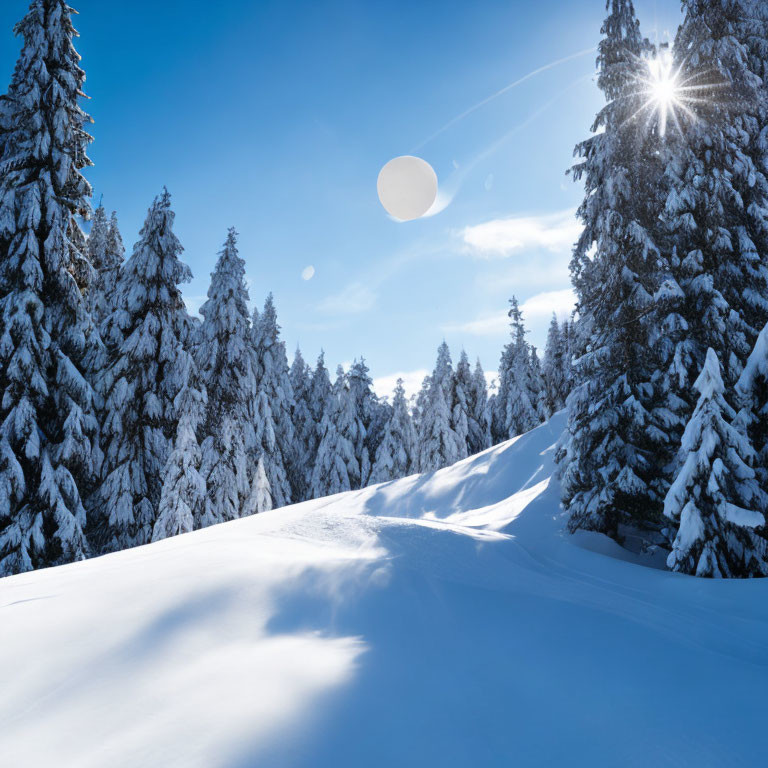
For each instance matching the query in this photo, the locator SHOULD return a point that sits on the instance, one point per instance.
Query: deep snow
(440, 620)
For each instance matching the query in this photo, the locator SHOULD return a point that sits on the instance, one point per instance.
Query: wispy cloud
(501, 238)
(354, 299)
(412, 380)
(535, 309)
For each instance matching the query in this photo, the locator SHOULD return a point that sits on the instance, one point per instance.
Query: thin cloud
(353, 299)
(412, 381)
(501, 238)
(535, 309)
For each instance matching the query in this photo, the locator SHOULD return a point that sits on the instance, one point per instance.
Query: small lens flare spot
(308, 272)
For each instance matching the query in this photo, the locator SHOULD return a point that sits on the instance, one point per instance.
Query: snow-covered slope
(442, 620)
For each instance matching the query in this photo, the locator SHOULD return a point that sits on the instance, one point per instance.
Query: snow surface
(439, 620)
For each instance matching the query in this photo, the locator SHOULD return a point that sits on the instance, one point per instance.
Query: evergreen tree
(183, 497)
(715, 498)
(439, 442)
(553, 368)
(367, 430)
(227, 364)
(273, 382)
(304, 424)
(48, 433)
(463, 404)
(609, 463)
(145, 338)
(538, 390)
(479, 424)
(336, 468)
(517, 397)
(717, 203)
(395, 455)
(106, 253)
(752, 388)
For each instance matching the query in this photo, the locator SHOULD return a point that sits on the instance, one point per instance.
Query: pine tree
(106, 253)
(336, 468)
(479, 425)
(274, 383)
(227, 363)
(183, 497)
(145, 337)
(48, 435)
(717, 203)
(463, 405)
(517, 397)
(553, 368)
(304, 424)
(439, 443)
(538, 390)
(367, 430)
(616, 430)
(396, 453)
(752, 388)
(715, 498)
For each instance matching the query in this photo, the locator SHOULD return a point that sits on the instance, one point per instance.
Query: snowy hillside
(440, 620)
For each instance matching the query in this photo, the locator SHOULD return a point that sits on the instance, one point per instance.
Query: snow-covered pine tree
(183, 497)
(479, 433)
(517, 396)
(609, 460)
(336, 468)
(396, 453)
(752, 389)
(438, 442)
(717, 204)
(538, 390)
(145, 336)
(48, 439)
(227, 364)
(106, 253)
(715, 498)
(464, 406)
(274, 382)
(368, 430)
(321, 390)
(304, 424)
(553, 368)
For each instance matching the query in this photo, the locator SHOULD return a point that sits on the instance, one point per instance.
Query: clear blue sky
(276, 117)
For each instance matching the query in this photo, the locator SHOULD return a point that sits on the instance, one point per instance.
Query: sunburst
(668, 95)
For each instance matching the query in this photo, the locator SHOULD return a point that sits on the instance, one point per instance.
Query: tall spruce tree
(274, 383)
(304, 424)
(553, 368)
(106, 253)
(47, 422)
(479, 433)
(396, 452)
(715, 498)
(515, 405)
(717, 203)
(183, 497)
(145, 337)
(439, 444)
(227, 363)
(336, 467)
(368, 428)
(463, 404)
(610, 473)
(752, 389)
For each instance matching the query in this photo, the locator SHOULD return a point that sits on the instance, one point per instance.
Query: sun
(663, 88)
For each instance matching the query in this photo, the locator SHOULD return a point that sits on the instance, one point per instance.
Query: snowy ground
(442, 620)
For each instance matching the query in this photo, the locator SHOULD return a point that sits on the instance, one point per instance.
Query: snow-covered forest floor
(439, 620)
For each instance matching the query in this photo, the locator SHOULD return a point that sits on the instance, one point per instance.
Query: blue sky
(276, 117)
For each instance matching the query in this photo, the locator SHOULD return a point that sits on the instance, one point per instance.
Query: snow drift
(443, 619)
